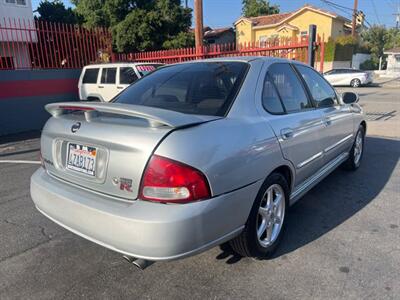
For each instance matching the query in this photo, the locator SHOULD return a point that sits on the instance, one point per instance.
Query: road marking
(34, 162)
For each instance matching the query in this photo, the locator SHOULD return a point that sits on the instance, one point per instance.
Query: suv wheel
(265, 226)
(355, 82)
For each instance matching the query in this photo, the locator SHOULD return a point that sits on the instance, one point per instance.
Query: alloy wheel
(271, 214)
(358, 148)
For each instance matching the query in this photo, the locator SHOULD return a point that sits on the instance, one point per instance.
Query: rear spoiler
(156, 117)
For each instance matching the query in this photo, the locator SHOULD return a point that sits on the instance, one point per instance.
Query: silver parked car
(348, 77)
(195, 155)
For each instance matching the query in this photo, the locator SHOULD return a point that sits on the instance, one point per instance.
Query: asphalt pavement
(342, 239)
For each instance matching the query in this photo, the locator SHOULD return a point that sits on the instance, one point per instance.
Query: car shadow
(336, 199)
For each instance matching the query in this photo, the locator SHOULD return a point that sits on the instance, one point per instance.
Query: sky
(223, 13)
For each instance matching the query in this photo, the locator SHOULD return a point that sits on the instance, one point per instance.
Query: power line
(337, 5)
(376, 13)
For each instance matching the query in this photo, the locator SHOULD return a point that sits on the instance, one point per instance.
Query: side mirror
(350, 97)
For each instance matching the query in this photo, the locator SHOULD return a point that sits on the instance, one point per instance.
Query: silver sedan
(195, 155)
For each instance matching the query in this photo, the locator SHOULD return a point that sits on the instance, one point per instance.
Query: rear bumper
(366, 81)
(143, 229)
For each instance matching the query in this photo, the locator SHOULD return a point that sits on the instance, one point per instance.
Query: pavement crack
(24, 251)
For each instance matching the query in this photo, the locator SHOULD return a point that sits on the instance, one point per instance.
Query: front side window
(206, 88)
(127, 75)
(323, 94)
(289, 87)
(90, 76)
(108, 75)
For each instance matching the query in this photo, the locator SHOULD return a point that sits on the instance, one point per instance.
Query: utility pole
(397, 17)
(198, 30)
(186, 3)
(353, 24)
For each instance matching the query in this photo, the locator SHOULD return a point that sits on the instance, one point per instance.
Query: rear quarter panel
(231, 152)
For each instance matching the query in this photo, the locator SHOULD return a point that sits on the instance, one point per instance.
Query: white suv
(104, 81)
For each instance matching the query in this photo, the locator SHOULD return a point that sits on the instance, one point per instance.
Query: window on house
(18, 2)
(303, 33)
(263, 40)
(6, 62)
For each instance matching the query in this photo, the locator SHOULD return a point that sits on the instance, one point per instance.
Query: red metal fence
(32, 44)
(290, 48)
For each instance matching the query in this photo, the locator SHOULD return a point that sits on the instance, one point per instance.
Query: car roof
(245, 59)
(122, 63)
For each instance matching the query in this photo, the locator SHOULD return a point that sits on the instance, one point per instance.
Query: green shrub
(341, 48)
(369, 65)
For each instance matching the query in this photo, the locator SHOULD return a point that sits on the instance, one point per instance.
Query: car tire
(269, 211)
(357, 151)
(355, 83)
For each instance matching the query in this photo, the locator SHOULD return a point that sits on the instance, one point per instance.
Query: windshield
(147, 68)
(205, 88)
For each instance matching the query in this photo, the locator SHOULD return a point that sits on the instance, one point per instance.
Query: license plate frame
(81, 158)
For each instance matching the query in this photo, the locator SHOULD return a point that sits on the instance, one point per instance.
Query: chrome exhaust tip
(138, 262)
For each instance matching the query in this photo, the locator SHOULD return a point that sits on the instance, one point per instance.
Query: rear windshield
(206, 88)
(147, 68)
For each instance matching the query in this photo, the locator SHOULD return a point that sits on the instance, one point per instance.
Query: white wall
(358, 59)
(11, 12)
(20, 55)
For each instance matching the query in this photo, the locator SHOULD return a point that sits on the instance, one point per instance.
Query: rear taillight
(169, 181)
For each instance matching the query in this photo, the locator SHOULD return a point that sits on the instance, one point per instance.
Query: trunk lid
(120, 138)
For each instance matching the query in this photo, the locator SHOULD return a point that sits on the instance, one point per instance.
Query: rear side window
(127, 75)
(206, 88)
(289, 87)
(270, 97)
(322, 93)
(108, 75)
(90, 76)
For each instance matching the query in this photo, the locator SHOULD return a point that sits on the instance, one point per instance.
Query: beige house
(292, 24)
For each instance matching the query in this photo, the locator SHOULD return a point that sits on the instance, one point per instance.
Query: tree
(55, 11)
(139, 25)
(376, 39)
(254, 8)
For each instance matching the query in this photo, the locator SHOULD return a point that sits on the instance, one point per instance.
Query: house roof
(278, 19)
(270, 19)
(393, 50)
(217, 32)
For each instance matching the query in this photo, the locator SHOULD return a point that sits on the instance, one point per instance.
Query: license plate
(81, 158)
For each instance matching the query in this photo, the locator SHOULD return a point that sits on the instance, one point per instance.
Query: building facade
(14, 50)
(292, 25)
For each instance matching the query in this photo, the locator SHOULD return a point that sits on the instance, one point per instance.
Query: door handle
(287, 133)
(120, 87)
(100, 87)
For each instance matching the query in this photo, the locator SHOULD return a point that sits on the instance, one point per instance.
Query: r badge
(125, 184)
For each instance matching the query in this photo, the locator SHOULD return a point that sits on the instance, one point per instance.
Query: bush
(341, 48)
(369, 65)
